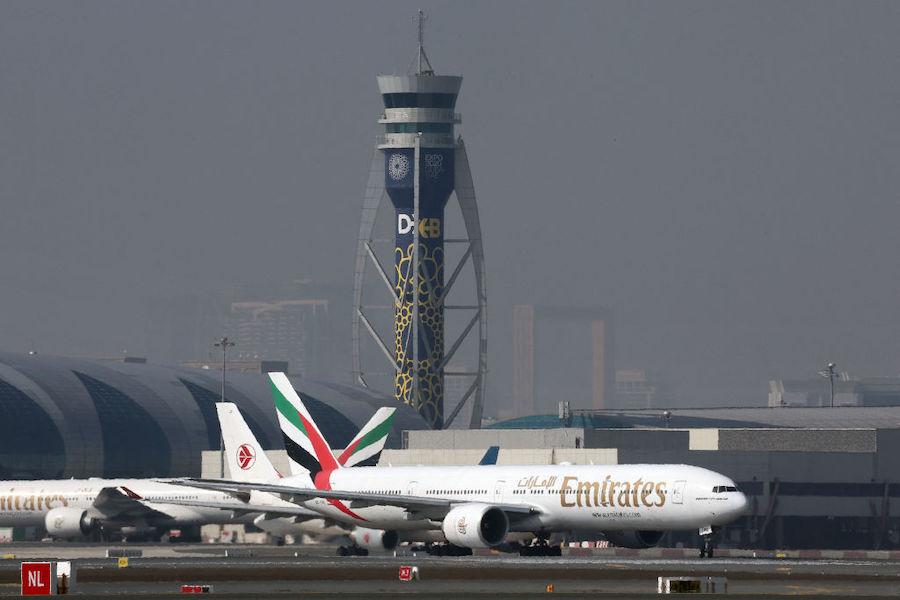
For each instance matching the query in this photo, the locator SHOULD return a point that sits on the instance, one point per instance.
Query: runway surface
(314, 571)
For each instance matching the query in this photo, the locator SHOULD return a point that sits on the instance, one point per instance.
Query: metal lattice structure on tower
(420, 166)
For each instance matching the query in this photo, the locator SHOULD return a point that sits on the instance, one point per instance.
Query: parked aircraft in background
(148, 508)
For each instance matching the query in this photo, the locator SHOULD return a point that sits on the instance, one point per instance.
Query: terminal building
(71, 417)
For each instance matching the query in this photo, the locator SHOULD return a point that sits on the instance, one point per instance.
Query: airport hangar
(72, 417)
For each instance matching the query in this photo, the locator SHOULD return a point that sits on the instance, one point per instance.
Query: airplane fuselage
(565, 497)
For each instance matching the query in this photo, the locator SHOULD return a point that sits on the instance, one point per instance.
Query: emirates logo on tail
(246, 456)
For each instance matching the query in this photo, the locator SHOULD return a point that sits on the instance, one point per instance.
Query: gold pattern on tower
(430, 329)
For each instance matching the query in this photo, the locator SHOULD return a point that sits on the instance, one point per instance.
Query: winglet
(305, 444)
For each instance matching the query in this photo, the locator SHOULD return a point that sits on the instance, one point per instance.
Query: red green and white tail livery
(304, 442)
(364, 449)
(305, 445)
(479, 506)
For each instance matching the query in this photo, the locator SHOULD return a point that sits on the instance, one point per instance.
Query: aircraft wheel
(343, 551)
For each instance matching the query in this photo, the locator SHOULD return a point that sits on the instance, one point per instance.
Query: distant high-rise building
(283, 329)
(298, 322)
(538, 387)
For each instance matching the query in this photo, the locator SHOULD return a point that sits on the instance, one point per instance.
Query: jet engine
(68, 522)
(475, 525)
(634, 539)
(374, 539)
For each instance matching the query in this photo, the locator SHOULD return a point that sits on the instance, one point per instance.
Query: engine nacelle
(634, 539)
(67, 523)
(374, 539)
(475, 525)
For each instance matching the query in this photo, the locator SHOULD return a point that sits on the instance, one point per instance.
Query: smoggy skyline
(722, 174)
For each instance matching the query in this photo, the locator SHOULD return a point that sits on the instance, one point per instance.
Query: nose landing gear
(708, 538)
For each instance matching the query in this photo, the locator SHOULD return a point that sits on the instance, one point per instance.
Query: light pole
(828, 373)
(224, 344)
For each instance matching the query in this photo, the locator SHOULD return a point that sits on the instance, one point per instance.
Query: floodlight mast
(224, 344)
(829, 373)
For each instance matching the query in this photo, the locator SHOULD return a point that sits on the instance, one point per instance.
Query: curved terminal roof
(72, 417)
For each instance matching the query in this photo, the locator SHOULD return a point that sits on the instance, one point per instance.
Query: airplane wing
(120, 503)
(303, 514)
(439, 506)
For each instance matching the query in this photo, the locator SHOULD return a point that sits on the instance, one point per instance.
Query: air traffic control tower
(419, 165)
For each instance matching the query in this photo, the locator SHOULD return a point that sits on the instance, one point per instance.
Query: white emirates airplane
(479, 506)
(140, 508)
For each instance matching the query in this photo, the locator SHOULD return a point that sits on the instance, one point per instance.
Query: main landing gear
(707, 541)
(447, 550)
(353, 550)
(540, 547)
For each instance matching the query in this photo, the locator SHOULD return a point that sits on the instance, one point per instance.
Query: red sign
(246, 456)
(405, 573)
(37, 579)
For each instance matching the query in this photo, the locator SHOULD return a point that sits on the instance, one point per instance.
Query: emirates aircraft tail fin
(306, 446)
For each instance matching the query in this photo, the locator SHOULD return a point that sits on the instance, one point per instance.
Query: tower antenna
(423, 65)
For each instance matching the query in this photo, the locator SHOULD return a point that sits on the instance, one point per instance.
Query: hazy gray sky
(724, 174)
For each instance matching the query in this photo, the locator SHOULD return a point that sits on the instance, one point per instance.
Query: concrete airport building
(71, 417)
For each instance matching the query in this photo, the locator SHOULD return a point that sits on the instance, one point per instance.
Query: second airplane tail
(366, 447)
(246, 459)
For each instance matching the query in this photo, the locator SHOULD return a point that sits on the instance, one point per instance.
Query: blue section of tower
(419, 312)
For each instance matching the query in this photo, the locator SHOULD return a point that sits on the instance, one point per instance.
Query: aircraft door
(678, 492)
(412, 488)
(499, 486)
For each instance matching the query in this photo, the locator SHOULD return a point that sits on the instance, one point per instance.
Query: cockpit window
(721, 489)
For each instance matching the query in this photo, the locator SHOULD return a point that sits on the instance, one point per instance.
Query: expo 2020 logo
(434, 164)
(398, 167)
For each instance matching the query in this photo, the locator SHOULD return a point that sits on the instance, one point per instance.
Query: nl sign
(37, 579)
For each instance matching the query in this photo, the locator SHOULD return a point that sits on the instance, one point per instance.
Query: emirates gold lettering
(661, 492)
(610, 493)
(586, 489)
(564, 489)
(645, 493)
(635, 490)
(603, 500)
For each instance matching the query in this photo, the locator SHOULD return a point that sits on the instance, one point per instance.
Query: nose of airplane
(740, 503)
